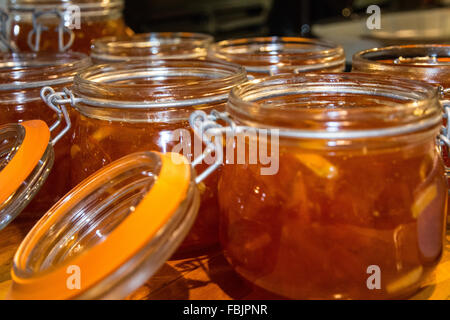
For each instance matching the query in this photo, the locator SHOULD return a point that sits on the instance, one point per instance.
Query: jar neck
(430, 63)
(337, 106)
(278, 54)
(138, 89)
(22, 75)
(150, 46)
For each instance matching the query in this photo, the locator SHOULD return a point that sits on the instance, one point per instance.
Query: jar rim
(104, 86)
(419, 61)
(432, 50)
(305, 53)
(408, 105)
(35, 70)
(142, 46)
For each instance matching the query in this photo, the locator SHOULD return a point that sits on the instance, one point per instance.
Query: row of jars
(360, 182)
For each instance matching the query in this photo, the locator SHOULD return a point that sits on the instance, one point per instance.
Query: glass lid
(26, 158)
(114, 230)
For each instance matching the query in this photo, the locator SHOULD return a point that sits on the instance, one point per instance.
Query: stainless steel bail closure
(210, 132)
(444, 136)
(4, 38)
(34, 37)
(57, 102)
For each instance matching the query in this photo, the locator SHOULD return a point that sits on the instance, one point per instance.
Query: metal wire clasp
(38, 27)
(444, 136)
(4, 37)
(206, 127)
(57, 101)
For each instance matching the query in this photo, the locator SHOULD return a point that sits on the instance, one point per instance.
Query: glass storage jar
(26, 159)
(426, 62)
(21, 78)
(57, 25)
(108, 235)
(273, 55)
(359, 193)
(150, 46)
(137, 106)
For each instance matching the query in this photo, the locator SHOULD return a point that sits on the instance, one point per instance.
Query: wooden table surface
(205, 277)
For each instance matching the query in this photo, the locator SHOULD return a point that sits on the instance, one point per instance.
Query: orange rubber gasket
(34, 144)
(135, 231)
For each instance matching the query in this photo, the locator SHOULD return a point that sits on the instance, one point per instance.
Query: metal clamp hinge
(206, 127)
(38, 28)
(57, 102)
(4, 37)
(444, 136)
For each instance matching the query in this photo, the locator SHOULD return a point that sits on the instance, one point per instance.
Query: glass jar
(359, 193)
(26, 159)
(57, 25)
(107, 236)
(21, 78)
(273, 55)
(138, 106)
(150, 46)
(427, 62)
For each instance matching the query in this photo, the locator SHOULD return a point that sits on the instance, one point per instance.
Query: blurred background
(231, 18)
(342, 21)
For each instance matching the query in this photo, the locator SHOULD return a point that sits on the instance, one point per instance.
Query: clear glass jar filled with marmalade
(151, 46)
(59, 25)
(265, 56)
(356, 207)
(137, 106)
(427, 62)
(21, 78)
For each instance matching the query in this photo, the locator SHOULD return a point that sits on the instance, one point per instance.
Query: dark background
(238, 18)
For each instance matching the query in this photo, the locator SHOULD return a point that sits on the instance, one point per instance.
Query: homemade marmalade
(428, 62)
(98, 19)
(167, 92)
(337, 207)
(21, 78)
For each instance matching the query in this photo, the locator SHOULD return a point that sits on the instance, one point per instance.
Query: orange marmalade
(428, 62)
(36, 25)
(137, 106)
(21, 78)
(360, 187)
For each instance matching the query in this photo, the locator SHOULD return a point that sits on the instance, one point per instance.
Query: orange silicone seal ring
(124, 242)
(30, 152)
